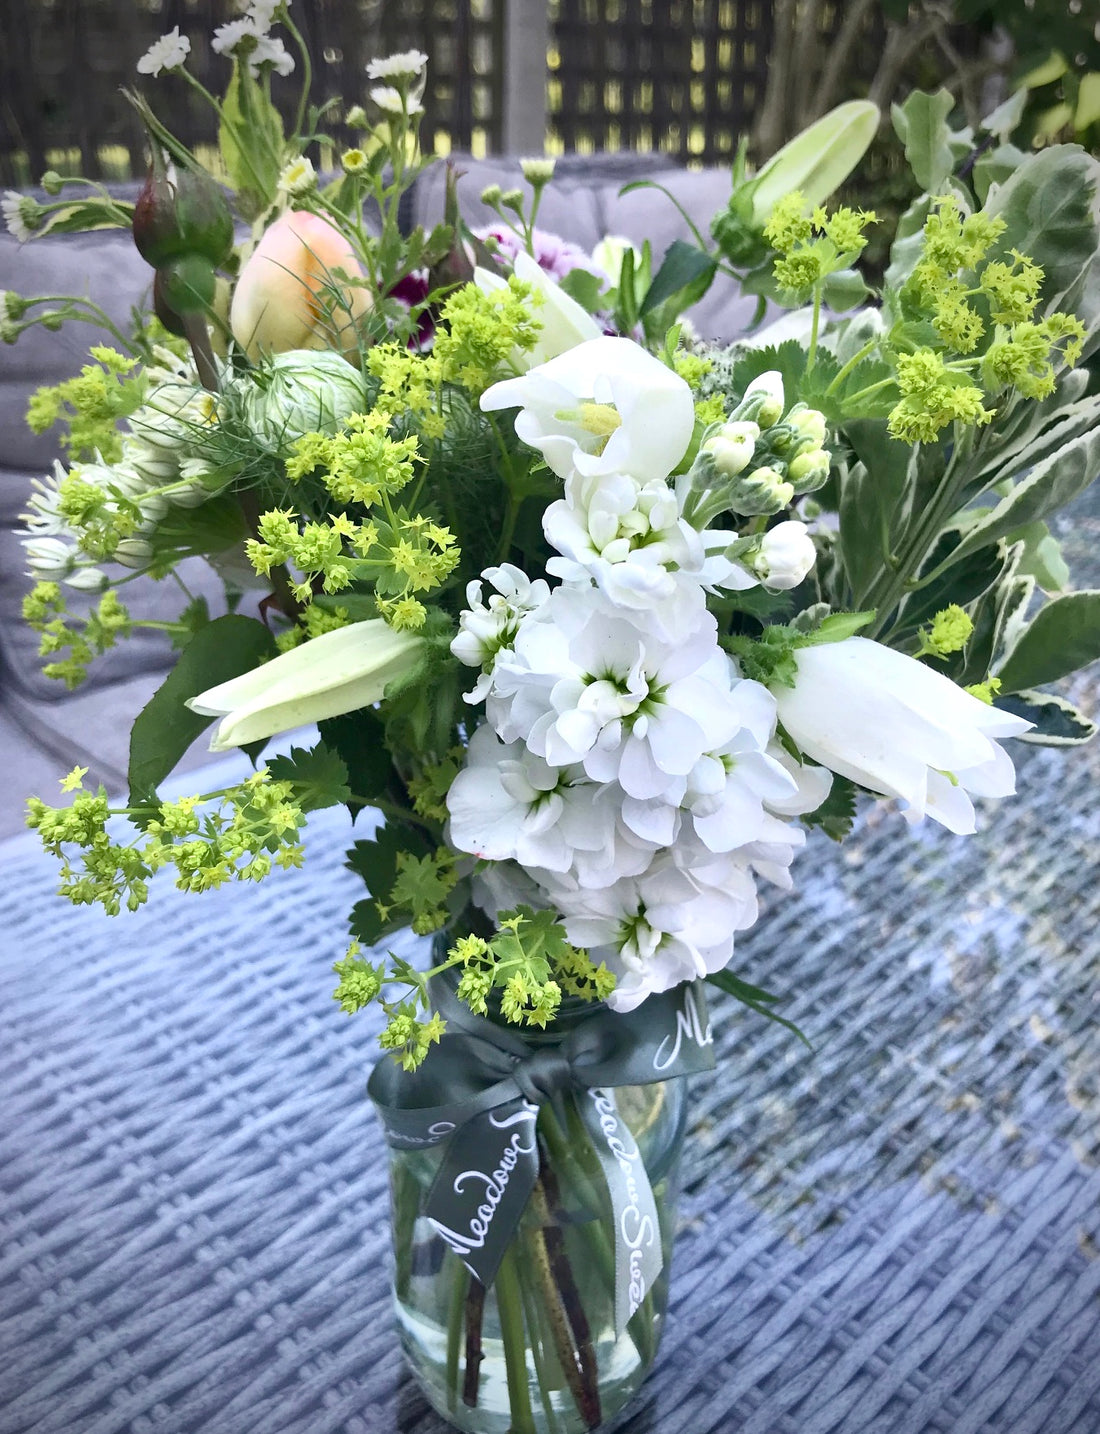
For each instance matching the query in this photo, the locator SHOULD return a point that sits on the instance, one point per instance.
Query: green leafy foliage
(756, 999)
(166, 727)
(921, 125)
(837, 812)
(1063, 636)
(1057, 722)
(317, 774)
(376, 861)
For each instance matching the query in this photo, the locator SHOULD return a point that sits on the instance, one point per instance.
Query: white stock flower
(404, 65)
(785, 556)
(629, 538)
(327, 676)
(898, 728)
(587, 684)
(606, 406)
(167, 53)
(564, 323)
(486, 628)
(733, 446)
(508, 805)
(664, 927)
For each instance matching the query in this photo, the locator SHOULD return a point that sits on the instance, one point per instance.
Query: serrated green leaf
(837, 812)
(1057, 722)
(358, 739)
(319, 776)
(1064, 635)
(921, 125)
(376, 862)
(166, 727)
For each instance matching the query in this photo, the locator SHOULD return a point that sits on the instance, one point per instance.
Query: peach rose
(287, 297)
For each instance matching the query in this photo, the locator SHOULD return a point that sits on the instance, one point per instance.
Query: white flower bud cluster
(761, 459)
(626, 775)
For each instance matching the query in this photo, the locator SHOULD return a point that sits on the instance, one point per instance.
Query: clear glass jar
(536, 1352)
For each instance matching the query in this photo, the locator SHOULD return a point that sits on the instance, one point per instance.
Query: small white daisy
(390, 101)
(298, 177)
(167, 53)
(405, 65)
(22, 214)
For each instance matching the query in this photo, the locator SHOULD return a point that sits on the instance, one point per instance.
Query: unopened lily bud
(764, 490)
(786, 555)
(180, 212)
(732, 447)
(809, 470)
(810, 423)
(766, 395)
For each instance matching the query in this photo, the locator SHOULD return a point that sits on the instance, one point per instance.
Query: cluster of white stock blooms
(627, 776)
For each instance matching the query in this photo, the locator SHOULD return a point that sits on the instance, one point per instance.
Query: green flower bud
(52, 182)
(491, 195)
(537, 172)
(303, 391)
(512, 199)
(809, 423)
(765, 396)
(181, 212)
(732, 447)
(356, 118)
(764, 490)
(188, 284)
(809, 470)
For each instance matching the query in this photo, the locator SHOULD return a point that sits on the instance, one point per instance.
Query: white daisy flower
(298, 177)
(404, 65)
(22, 214)
(167, 53)
(391, 102)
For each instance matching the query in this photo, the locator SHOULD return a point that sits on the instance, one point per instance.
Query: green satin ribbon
(480, 1090)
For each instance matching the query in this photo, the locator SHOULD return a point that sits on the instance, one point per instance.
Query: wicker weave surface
(898, 1233)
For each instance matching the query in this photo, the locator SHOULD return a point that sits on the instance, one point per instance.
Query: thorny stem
(475, 1313)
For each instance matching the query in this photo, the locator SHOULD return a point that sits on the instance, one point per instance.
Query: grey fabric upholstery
(42, 723)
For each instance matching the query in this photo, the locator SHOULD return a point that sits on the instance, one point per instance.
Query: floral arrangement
(598, 617)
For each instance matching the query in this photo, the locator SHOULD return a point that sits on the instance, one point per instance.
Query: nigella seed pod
(180, 211)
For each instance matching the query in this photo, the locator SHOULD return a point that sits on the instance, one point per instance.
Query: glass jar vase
(537, 1352)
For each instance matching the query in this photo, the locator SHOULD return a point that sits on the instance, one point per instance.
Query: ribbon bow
(480, 1090)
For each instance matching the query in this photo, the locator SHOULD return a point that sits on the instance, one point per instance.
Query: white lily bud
(786, 555)
(332, 674)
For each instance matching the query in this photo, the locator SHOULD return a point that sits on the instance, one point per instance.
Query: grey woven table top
(900, 1232)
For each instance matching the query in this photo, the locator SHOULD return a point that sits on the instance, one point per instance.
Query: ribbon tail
(483, 1184)
(638, 1257)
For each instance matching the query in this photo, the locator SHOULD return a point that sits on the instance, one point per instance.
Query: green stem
(307, 69)
(541, 1343)
(812, 353)
(455, 1323)
(885, 597)
(514, 1339)
(850, 365)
